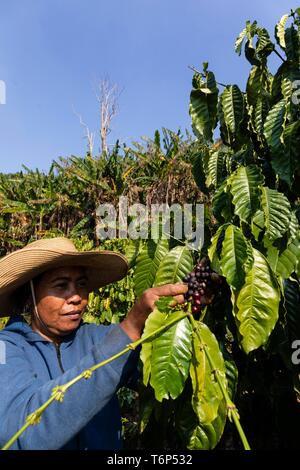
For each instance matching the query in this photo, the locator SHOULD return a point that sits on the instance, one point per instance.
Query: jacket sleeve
(21, 393)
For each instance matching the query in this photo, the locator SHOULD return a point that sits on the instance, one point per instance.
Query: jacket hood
(17, 324)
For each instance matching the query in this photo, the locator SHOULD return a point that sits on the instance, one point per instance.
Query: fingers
(177, 299)
(171, 289)
(151, 295)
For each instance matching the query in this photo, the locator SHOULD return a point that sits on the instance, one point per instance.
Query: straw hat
(19, 267)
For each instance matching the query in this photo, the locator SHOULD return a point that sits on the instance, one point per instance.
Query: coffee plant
(188, 385)
(252, 175)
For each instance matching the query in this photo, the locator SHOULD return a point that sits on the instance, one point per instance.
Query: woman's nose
(74, 296)
(74, 299)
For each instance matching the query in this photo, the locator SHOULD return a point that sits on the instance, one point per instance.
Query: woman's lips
(73, 315)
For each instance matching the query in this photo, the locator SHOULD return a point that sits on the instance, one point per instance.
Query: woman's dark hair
(23, 298)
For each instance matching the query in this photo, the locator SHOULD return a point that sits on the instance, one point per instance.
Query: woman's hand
(134, 323)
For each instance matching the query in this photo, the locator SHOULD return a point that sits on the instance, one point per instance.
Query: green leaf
(198, 169)
(233, 256)
(170, 356)
(132, 251)
(13, 207)
(244, 156)
(203, 105)
(224, 132)
(222, 203)
(258, 82)
(257, 304)
(264, 45)
(215, 168)
(261, 111)
(239, 41)
(258, 223)
(195, 435)
(258, 98)
(290, 77)
(233, 107)
(163, 303)
(272, 256)
(273, 128)
(250, 259)
(231, 376)
(207, 394)
(276, 91)
(209, 80)
(294, 226)
(277, 212)
(289, 259)
(147, 264)
(154, 321)
(244, 186)
(175, 265)
(203, 110)
(292, 44)
(214, 248)
(285, 164)
(250, 54)
(280, 31)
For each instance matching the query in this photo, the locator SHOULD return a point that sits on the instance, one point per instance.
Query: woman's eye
(61, 286)
(82, 283)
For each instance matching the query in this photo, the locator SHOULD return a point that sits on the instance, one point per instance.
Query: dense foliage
(251, 175)
(64, 201)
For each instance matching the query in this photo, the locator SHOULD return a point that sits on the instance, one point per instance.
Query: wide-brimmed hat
(19, 267)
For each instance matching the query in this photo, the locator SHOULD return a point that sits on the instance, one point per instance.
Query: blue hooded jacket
(30, 366)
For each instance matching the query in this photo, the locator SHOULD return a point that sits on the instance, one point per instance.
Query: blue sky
(53, 54)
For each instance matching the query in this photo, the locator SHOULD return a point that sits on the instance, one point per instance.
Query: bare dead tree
(107, 98)
(107, 95)
(89, 136)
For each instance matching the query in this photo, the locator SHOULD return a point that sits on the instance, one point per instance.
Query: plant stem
(202, 74)
(229, 404)
(63, 388)
(258, 226)
(181, 241)
(39, 411)
(279, 55)
(240, 430)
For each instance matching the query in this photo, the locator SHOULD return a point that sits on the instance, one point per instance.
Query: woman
(54, 279)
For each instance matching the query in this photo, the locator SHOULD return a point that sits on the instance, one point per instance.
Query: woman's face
(61, 297)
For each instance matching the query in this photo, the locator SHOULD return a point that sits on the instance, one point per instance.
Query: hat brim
(103, 267)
